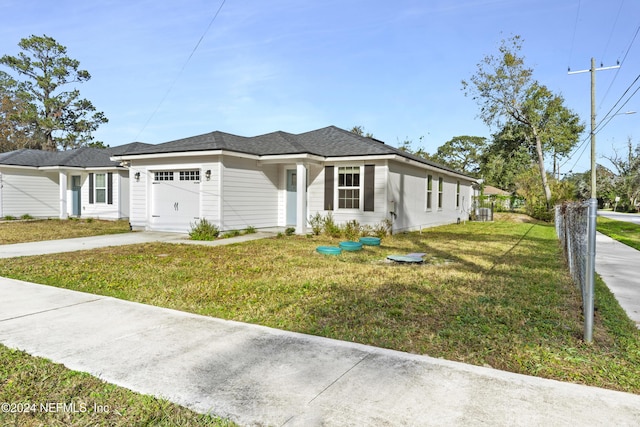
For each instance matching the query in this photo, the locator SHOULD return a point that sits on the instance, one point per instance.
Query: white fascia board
(435, 168)
(62, 168)
(291, 158)
(19, 167)
(79, 169)
(130, 157)
(360, 158)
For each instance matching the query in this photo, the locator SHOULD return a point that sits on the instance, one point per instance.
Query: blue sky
(394, 68)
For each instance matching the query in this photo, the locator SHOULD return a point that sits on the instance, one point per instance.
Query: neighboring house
(281, 179)
(83, 182)
(500, 199)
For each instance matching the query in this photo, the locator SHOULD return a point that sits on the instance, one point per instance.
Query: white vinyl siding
(407, 184)
(250, 194)
(30, 192)
(138, 198)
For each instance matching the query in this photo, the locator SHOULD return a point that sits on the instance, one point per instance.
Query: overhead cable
(193, 51)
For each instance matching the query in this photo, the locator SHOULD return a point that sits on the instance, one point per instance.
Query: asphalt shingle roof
(84, 157)
(326, 142)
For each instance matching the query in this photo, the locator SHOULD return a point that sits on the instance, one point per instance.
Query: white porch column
(62, 185)
(301, 202)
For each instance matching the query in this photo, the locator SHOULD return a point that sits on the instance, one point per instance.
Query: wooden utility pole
(587, 303)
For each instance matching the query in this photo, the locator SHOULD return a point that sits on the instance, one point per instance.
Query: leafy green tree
(527, 186)
(605, 182)
(627, 179)
(13, 134)
(506, 93)
(359, 130)
(462, 153)
(59, 118)
(506, 157)
(407, 144)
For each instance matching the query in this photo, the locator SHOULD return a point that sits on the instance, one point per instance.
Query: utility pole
(590, 267)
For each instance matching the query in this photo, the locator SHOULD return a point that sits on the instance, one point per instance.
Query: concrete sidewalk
(261, 376)
(619, 267)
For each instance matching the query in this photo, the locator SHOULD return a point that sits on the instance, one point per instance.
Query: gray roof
(84, 157)
(326, 142)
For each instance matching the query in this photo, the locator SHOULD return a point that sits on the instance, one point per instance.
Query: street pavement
(621, 216)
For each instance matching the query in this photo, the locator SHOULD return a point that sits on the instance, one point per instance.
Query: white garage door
(175, 202)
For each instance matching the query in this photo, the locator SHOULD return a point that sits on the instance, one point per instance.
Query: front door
(76, 186)
(292, 187)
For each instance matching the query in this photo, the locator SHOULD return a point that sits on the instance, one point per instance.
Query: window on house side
(457, 194)
(440, 190)
(101, 187)
(429, 190)
(349, 187)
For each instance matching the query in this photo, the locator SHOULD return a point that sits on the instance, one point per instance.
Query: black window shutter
(90, 188)
(328, 188)
(110, 188)
(369, 187)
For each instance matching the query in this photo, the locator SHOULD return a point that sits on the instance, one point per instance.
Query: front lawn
(495, 294)
(622, 231)
(52, 229)
(35, 392)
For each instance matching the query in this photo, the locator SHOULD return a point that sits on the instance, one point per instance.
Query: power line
(621, 63)
(606, 117)
(579, 157)
(193, 51)
(602, 125)
(603, 122)
(606, 46)
(573, 39)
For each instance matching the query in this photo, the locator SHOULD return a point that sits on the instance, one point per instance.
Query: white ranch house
(281, 179)
(83, 182)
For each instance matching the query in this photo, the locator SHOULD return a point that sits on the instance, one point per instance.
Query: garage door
(175, 202)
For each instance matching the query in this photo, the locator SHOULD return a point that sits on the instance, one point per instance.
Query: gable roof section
(330, 141)
(84, 157)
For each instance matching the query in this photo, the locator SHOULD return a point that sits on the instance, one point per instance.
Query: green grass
(622, 231)
(494, 294)
(45, 387)
(52, 229)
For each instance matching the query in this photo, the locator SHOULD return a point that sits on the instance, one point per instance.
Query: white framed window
(163, 176)
(349, 187)
(193, 175)
(429, 192)
(100, 188)
(457, 194)
(440, 191)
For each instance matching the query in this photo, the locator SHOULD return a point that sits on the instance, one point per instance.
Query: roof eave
(298, 157)
(145, 156)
